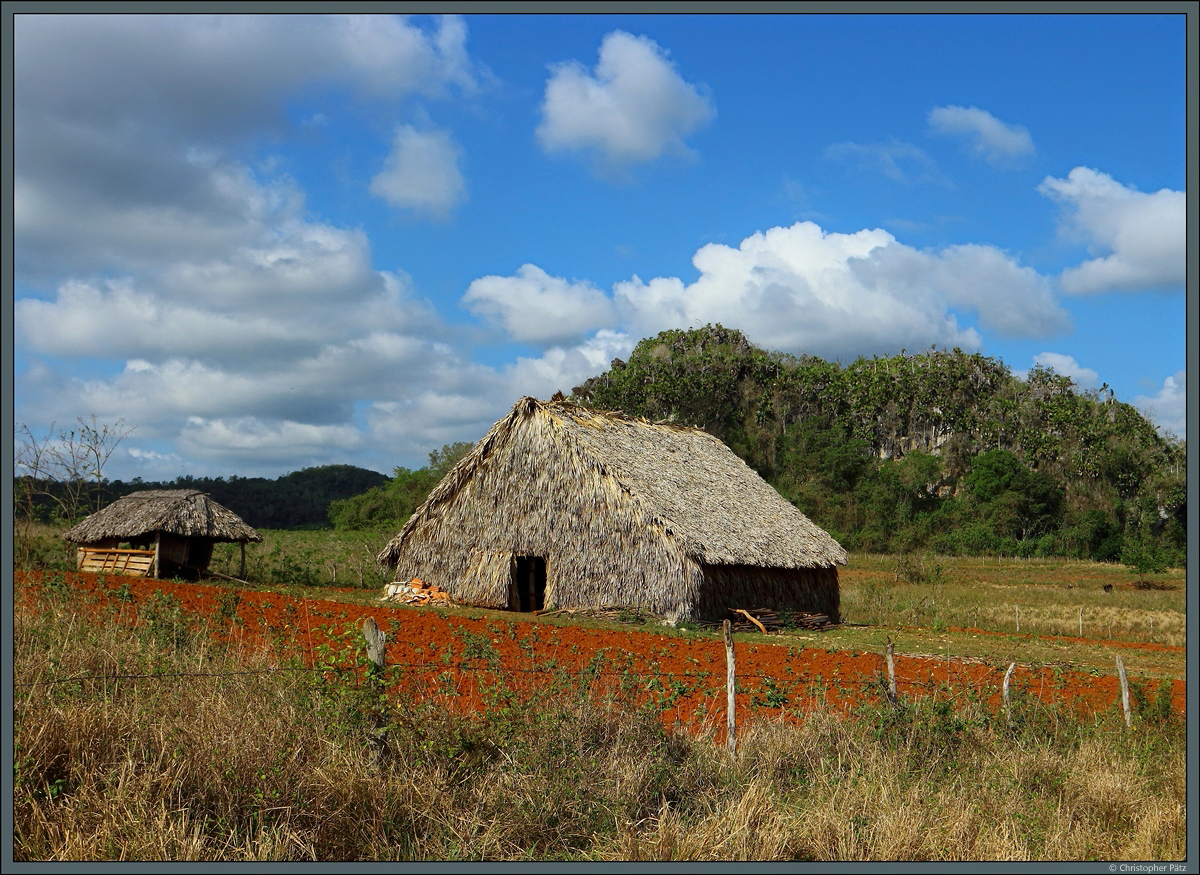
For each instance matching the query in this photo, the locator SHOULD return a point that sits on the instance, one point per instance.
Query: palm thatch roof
(187, 513)
(683, 481)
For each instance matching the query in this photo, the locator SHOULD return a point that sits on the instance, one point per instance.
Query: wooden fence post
(1124, 692)
(1081, 621)
(1018, 618)
(376, 652)
(891, 669)
(376, 643)
(1007, 703)
(730, 687)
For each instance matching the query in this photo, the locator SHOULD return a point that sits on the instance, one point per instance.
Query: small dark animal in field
(1108, 587)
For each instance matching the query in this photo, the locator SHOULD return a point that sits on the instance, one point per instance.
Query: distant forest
(299, 500)
(942, 451)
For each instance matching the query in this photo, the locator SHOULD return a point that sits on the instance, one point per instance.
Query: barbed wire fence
(759, 692)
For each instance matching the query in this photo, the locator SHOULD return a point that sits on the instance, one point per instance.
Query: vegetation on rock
(942, 450)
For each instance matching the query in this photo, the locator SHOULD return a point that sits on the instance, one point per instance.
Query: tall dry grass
(157, 743)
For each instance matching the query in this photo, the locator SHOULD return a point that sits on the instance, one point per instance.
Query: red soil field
(473, 662)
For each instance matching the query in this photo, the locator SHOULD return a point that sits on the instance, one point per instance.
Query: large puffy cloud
(309, 289)
(843, 295)
(534, 307)
(1143, 234)
(995, 140)
(128, 126)
(421, 173)
(797, 288)
(198, 297)
(283, 336)
(632, 109)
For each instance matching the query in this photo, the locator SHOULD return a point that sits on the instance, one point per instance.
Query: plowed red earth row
(467, 662)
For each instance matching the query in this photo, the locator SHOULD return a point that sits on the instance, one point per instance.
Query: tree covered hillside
(299, 500)
(940, 450)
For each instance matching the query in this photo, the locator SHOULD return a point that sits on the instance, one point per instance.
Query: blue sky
(276, 242)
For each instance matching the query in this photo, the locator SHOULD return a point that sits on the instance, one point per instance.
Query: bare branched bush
(58, 475)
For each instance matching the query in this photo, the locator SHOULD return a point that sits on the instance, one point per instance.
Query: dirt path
(471, 662)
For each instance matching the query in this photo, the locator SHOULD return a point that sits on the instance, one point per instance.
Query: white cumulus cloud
(421, 173)
(803, 289)
(996, 141)
(634, 107)
(1060, 363)
(1143, 235)
(534, 307)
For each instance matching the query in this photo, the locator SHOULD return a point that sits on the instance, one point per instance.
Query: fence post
(1007, 703)
(1124, 692)
(1018, 618)
(891, 669)
(1081, 621)
(730, 686)
(376, 652)
(376, 644)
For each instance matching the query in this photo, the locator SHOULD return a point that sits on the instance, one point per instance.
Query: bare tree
(61, 467)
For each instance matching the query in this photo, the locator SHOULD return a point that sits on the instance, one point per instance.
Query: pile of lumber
(620, 615)
(812, 621)
(766, 621)
(415, 592)
(762, 619)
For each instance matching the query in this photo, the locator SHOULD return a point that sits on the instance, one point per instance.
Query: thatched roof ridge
(188, 513)
(685, 479)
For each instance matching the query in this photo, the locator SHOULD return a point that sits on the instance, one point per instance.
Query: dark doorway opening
(529, 583)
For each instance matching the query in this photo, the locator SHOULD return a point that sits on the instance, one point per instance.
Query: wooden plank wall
(135, 563)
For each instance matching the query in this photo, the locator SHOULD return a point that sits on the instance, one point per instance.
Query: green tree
(1143, 557)
(392, 503)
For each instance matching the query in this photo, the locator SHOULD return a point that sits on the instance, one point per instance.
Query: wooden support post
(1018, 618)
(893, 697)
(1007, 702)
(242, 565)
(730, 688)
(1081, 621)
(157, 544)
(1124, 692)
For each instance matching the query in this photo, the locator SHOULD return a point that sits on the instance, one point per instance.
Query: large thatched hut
(560, 506)
(168, 532)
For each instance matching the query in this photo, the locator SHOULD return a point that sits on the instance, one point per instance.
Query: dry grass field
(142, 731)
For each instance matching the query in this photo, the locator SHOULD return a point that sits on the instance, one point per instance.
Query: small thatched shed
(560, 506)
(169, 531)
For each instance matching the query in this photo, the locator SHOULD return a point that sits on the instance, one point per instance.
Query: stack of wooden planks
(818, 622)
(766, 621)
